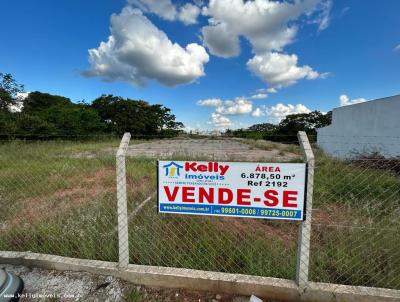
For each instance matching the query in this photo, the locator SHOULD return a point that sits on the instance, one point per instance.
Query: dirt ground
(44, 285)
(219, 149)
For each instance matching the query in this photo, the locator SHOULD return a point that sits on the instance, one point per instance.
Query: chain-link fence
(224, 244)
(59, 197)
(355, 222)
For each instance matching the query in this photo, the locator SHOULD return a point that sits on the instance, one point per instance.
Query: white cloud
(265, 90)
(238, 106)
(259, 96)
(280, 70)
(397, 48)
(344, 100)
(219, 120)
(221, 41)
(22, 95)
(242, 106)
(19, 102)
(280, 111)
(210, 102)
(165, 9)
(137, 51)
(269, 26)
(223, 109)
(188, 13)
(263, 22)
(258, 112)
(323, 18)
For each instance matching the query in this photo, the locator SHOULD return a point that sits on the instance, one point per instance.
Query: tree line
(41, 114)
(287, 129)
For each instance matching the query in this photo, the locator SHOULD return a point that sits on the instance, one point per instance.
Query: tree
(106, 107)
(289, 127)
(162, 121)
(38, 102)
(9, 89)
(32, 125)
(44, 114)
(135, 116)
(265, 127)
(7, 123)
(48, 114)
(257, 131)
(286, 130)
(308, 122)
(73, 119)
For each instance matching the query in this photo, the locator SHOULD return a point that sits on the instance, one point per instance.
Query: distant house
(363, 128)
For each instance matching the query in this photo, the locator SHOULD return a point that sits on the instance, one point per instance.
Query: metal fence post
(304, 236)
(123, 243)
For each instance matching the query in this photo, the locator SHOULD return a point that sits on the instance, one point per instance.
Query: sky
(217, 64)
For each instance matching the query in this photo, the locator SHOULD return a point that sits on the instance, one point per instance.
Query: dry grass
(81, 191)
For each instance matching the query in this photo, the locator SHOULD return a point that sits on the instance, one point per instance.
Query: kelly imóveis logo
(172, 169)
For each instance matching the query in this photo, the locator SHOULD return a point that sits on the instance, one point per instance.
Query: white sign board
(255, 190)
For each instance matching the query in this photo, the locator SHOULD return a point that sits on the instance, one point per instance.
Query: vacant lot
(58, 197)
(219, 149)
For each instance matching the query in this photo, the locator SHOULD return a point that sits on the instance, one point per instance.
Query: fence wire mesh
(224, 244)
(355, 223)
(59, 198)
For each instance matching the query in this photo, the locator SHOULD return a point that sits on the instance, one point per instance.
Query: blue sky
(309, 54)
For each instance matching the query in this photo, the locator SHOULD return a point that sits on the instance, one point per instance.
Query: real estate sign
(255, 190)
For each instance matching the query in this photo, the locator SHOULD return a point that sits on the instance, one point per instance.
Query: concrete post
(123, 243)
(304, 235)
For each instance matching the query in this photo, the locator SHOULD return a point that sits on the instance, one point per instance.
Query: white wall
(368, 127)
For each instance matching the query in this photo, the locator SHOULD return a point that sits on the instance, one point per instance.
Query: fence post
(304, 235)
(123, 243)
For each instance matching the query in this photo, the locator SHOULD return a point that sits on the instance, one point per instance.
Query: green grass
(358, 243)
(58, 197)
(357, 256)
(202, 243)
(134, 296)
(375, 193)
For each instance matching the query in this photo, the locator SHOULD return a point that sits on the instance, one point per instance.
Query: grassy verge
(355, 232)
(356, 255)
(216, 244)
(55, 200)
